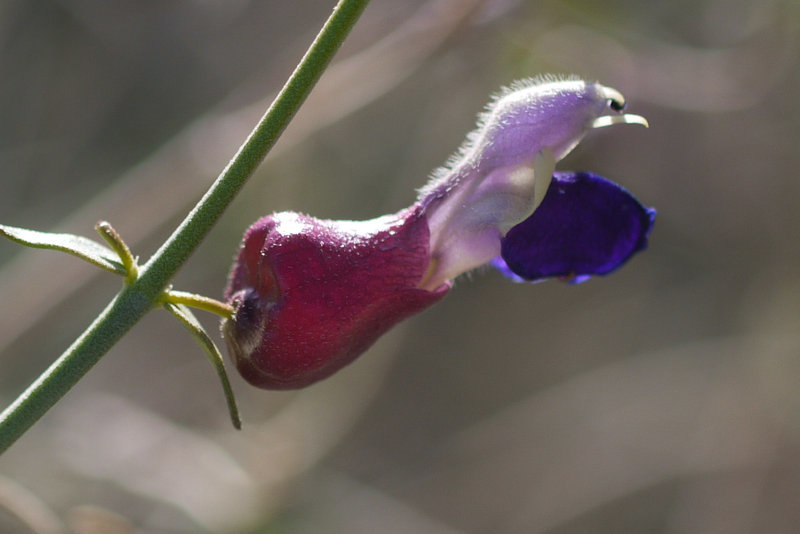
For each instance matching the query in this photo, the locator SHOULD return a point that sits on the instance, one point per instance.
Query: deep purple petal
(586, 225)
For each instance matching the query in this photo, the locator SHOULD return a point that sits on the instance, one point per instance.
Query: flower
(310, 295)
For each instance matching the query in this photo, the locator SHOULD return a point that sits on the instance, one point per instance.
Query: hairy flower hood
(310, 295)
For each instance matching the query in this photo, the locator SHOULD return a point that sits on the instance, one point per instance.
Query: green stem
(200, 302)
(142, 294)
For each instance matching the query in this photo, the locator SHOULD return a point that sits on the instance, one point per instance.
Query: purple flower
(311, 295)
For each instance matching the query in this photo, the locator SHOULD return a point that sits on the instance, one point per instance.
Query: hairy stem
(143, 294)
(200, 302)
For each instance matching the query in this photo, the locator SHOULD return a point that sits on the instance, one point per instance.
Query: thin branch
(141, 295)
(200, 302)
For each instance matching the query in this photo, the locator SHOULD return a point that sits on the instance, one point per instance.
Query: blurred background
(664, 398)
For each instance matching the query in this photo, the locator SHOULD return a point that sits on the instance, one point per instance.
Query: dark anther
(616, 105)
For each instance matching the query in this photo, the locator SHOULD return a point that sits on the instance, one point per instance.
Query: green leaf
(188, 320)
(82, 247)
(119, 246)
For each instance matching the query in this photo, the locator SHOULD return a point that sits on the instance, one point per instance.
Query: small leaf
(82, 247)
(119, 246)
(188, 320)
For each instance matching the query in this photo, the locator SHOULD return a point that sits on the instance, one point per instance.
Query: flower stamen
(627, 118)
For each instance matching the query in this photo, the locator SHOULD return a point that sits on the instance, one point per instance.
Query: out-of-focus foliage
(661, 399)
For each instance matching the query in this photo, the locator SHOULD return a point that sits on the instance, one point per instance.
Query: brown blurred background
(664, 398)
